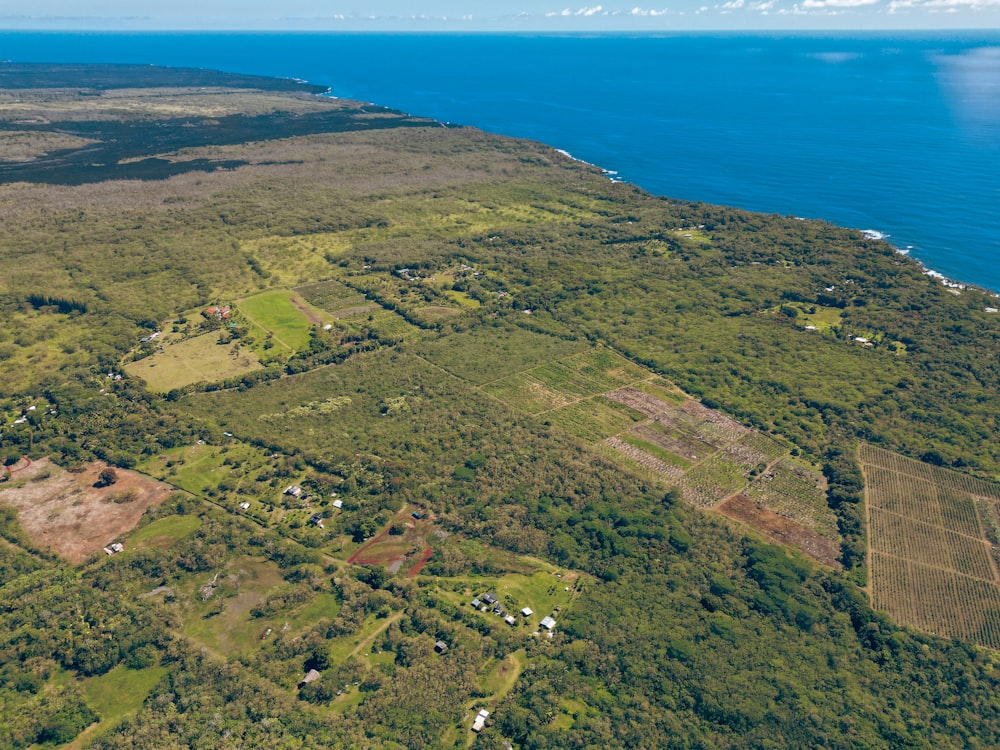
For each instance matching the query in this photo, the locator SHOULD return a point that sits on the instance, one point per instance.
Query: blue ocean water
(894, 132)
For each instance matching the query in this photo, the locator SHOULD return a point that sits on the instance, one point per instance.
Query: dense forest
(373, 363)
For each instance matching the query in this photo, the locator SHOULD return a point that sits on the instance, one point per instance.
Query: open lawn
(115, 695)
(283, 315)
(201, 359)
(163, 532)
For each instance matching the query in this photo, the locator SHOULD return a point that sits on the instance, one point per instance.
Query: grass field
(282, 314)
(931, 565)
(194, 360)
(115, 695)
(164, 531)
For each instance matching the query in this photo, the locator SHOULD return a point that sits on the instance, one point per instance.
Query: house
(480, 720)
(548, 623)
(476, 604)
(509, 619)
(338, 503)
(440, 647)
(489, 598)
(244, 505)
(294, 490)
(527, 612)
(417, 515)
(311, 676)
(316, 519)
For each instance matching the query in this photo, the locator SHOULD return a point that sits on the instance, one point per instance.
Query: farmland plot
(794, 491)
(931, 560)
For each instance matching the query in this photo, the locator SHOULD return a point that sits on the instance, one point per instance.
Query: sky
(497, 15)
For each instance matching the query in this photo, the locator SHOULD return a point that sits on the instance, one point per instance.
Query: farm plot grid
(931, 561)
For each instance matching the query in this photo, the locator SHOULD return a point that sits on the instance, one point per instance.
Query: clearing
(66, 513)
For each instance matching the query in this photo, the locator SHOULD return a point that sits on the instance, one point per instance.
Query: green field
(282, 316)
(164, 531)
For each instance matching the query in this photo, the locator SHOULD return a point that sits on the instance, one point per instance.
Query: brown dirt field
(782, 530)
(65, 513)
(306, 310)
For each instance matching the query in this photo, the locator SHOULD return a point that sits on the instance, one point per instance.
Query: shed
(548, 623)
(311, 676)
(293, 490)
(527, 612)
(476, 603)
(490, 598)
(440, 647)
(338, 503)
(509, 619)
(480, 721)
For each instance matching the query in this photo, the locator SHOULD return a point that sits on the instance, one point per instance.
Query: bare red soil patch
(66, 513)
(782, 530)
(397, 550)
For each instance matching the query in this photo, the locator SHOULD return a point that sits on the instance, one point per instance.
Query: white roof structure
(527, 612)
(338, 503)
(548, 623)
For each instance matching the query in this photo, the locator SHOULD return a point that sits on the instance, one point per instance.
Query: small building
(440, 647)
(548, 623)
(476, 604)
(311, 676)
(293, 490)
(417, 515)
(113, 549)
(509, 619)
(480, 721)
(244, 505)
(316, 519)
(338, 503)
(490, 598)
(527, 612)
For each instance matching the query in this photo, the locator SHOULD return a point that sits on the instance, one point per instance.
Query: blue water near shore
(894, 132)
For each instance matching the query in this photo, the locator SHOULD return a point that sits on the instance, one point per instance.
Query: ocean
(893, 132)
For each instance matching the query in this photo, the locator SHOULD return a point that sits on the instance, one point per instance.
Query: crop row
(797, 493)
(910, 496)
(939, 601)
(928, 544)
(652, 463)
(712, 481)
(957, 481)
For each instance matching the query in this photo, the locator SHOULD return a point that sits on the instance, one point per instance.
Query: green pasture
(200, 359)
(274, 312)
(164, 531)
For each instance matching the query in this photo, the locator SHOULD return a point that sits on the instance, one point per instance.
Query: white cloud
(942, 6)
(823, 4)
(652, 13)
